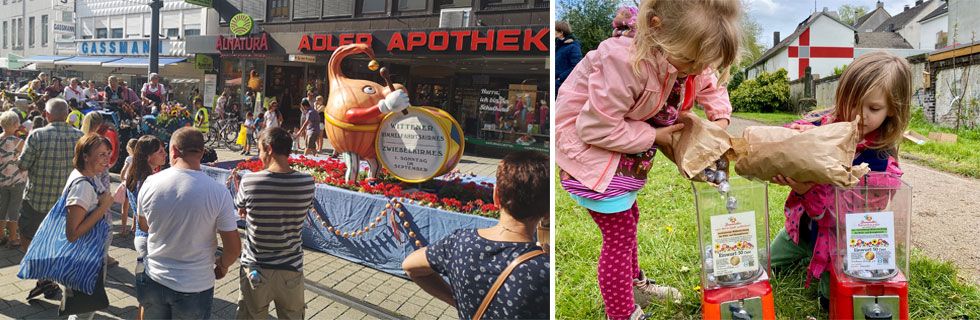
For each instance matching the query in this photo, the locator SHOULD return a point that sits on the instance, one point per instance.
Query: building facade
(483, 61)
(113, 38)
(33, 29)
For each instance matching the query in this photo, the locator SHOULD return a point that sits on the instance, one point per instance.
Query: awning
(85, 61)
(140, 62)
(43, 59)
(180, 81)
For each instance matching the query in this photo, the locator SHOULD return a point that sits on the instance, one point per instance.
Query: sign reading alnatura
(526, 40)
(258, 43)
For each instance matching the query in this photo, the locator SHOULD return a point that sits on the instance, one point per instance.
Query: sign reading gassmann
(413, 147)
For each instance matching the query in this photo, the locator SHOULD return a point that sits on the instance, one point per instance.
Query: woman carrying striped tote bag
(71, 244)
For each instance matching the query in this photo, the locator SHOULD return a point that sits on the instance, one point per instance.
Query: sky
(784, 15)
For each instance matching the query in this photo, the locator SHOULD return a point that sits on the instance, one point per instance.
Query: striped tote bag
(52, 257)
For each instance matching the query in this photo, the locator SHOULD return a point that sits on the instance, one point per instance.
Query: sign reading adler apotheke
(119, 47)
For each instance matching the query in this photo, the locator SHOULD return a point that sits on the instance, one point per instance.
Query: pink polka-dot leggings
(617, 261)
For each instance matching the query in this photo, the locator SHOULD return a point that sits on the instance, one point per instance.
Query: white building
(963, 23)
(113, 38)
(821, 42)
(906, 23)
(934, 28)
(34, 29)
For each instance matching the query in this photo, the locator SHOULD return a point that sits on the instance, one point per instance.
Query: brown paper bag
(697, 146)
(821, 155)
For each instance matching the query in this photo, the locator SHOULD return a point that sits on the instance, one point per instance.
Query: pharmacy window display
(516, 117)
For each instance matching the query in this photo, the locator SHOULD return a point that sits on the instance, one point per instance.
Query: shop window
(505, 2)
(373, 6)
(305, 9)
(117, 33)
(30, 31)
(279, 9)
(44, 30)
(101, 33)
(338, 8)
(503, 115)
(444, 4)
(412, 5)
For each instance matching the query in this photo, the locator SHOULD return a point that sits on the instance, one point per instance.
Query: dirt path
(946, 220)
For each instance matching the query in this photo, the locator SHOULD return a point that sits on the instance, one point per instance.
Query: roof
(806, 23)
(943, 9)
(903, 18)
(865, 17)
(884, 40)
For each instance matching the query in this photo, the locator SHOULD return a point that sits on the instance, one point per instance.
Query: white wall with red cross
(822, 46)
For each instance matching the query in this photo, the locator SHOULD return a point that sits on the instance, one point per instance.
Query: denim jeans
(160, 302)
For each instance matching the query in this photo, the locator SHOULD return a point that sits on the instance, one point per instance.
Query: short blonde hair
(9, 119)
(91, 122)
(705, 33)
(877, 71)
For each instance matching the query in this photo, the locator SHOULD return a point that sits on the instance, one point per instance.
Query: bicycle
(224, 133)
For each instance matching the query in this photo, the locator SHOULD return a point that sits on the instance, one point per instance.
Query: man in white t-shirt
(74, 91)
(183, 208)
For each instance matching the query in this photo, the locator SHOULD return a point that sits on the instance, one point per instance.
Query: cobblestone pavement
(335, 289)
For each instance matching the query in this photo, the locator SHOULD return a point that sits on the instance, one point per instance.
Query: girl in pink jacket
(877, 86)
(619, 101)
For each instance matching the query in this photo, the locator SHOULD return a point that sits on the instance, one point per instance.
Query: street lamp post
(155, 7)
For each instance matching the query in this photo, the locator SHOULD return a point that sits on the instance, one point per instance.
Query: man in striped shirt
(274, 202)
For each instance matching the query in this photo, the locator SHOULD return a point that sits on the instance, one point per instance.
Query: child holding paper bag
(620, 101)
(878, 87)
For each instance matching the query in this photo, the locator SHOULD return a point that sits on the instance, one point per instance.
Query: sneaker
(646, 290)
(53, 292)
(638, 314)
(45, 287)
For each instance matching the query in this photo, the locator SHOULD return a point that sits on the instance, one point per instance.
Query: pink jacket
(602, 107)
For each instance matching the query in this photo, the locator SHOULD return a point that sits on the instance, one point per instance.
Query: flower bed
(448, 194)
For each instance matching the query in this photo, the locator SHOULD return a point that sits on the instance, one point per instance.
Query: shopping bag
(51, 256)
(242, 132)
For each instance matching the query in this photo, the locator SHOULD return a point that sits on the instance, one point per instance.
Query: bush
(737, 76)
(768, 92)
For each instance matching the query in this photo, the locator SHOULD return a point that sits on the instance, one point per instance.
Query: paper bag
(821, 155)
(697, 146)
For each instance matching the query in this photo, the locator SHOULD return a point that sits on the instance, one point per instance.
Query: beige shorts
(285, 287)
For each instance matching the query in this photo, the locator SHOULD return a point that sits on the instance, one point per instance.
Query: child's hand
(801, 127)
(663, 134)
(798, 187)
(723, 123)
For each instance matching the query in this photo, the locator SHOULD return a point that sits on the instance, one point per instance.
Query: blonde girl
(878, 87)
(621, 101)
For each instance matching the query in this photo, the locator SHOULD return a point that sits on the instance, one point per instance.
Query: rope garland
(394, 207)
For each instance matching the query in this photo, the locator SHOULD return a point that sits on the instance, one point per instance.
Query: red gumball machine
(869, 277)
(733, 237)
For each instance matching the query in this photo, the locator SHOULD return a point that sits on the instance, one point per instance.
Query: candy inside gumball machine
(733, 235)
(869, 277)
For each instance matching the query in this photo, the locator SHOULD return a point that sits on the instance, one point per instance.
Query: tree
(591, 20)
(850, 14)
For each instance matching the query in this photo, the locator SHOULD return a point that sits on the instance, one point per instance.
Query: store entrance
(285, 84)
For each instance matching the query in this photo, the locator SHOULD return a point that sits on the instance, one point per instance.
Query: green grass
(963, 157)
(668, 245)
(775, 119)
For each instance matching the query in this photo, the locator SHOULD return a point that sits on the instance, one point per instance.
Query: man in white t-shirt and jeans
(184, 207)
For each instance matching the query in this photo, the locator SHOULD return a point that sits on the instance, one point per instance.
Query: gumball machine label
(733, 239)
